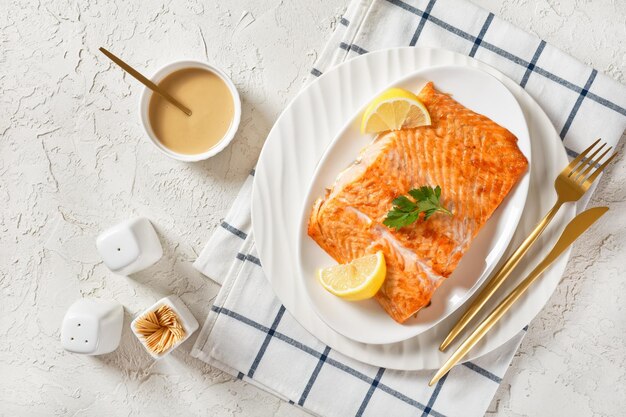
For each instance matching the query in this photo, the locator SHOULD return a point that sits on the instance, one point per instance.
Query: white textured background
(73, 160)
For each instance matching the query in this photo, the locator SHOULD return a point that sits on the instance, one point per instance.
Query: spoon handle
(152, 86)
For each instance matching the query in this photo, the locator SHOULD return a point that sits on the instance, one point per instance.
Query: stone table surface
(74, 160)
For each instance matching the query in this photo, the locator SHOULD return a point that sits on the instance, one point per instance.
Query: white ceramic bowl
(144, 105)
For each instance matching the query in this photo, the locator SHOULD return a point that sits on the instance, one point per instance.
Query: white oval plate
(366, 321)
(286, 166)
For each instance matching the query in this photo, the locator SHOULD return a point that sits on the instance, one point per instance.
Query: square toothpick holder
(186, 318)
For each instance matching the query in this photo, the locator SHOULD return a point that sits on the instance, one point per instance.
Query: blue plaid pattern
(250, 334)
(271, 334)
(426, 16)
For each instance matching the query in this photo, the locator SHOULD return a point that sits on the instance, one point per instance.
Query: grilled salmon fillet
(475, 161)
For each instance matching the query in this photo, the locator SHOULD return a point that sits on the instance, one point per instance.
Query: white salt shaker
(186, 318)
(130, 246)
(92, 326)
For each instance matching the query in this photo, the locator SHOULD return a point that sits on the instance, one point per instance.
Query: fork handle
(496, 281)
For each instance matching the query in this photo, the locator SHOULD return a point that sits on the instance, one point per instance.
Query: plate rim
(521, 186)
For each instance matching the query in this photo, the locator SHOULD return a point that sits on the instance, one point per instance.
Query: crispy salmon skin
(474, 160)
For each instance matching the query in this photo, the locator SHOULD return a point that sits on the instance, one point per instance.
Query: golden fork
(570, 186)
(572, 231)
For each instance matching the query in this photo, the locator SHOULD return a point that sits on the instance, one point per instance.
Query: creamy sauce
(211, 104)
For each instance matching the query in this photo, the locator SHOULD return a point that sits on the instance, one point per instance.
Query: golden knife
(572, 231)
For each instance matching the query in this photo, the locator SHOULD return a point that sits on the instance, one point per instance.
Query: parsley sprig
(406, 211)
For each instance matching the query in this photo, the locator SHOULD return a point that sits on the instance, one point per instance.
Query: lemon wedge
(394, 109)
(357, 280)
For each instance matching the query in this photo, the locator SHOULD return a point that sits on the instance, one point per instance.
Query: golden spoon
(152, 86)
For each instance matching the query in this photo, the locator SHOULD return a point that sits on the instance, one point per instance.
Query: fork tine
(597, 172)
(591, 164)
(584, 153)
(585, 162)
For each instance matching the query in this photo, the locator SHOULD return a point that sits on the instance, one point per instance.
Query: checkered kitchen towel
(248, 332)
